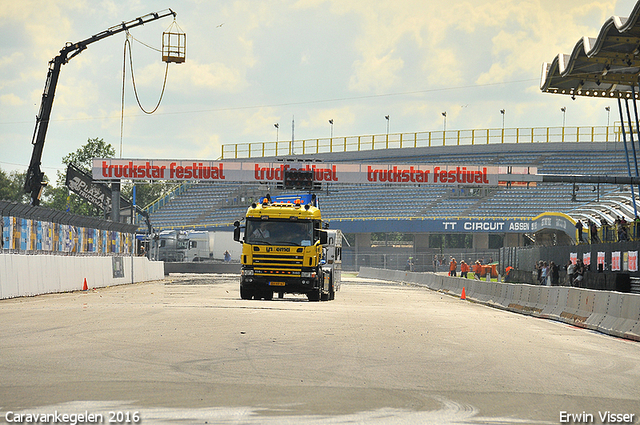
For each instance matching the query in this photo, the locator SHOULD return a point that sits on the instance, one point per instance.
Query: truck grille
(277, 264)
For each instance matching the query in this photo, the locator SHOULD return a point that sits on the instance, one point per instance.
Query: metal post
(115, 201)
(624, 139)
(133, 221)
(635, 109)
(633, 144)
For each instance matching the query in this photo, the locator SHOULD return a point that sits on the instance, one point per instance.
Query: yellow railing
(423, 139)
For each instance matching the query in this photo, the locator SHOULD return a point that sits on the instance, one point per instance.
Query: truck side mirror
(324, 237)
(236, 231)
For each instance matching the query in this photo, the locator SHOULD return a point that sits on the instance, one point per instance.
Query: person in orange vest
(477, 270)
(464, 269)
(453, 265)
(507, 277)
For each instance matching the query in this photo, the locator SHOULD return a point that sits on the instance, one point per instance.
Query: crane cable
(133, 79)
(127, 43)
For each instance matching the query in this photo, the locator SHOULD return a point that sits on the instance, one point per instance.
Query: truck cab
(176, 245)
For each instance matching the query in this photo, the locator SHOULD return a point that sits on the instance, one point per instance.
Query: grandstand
(374, 208)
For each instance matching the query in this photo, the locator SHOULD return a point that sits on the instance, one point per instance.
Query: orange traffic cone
(84, 286)
(463, 296)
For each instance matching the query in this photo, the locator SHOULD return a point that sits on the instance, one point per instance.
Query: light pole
(502, 111)
(564, 115)
(386, 117)
(277, 126)
(608, 109)
(331, 122)
(444, 125)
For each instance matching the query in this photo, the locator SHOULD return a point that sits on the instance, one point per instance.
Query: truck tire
(315, 295)
(267, 294)
(245, 294)
(324, 296)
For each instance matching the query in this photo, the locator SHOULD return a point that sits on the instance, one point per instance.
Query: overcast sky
(253, 63)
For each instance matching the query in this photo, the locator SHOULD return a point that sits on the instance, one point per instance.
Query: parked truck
(285, 248)
(177, 245)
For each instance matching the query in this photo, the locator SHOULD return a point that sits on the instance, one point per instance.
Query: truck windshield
(271, 232)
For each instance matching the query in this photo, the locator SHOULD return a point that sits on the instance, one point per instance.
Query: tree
(83, 156)
(11, 186)
(59, 197)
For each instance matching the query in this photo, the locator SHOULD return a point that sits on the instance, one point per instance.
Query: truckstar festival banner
(141, 169)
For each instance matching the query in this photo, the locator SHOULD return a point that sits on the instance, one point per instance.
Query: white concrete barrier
(629, 318)
(27, 275)
(612, 313)
(553, 294)
(599, 313)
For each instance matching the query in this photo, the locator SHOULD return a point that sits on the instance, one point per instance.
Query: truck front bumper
(299, 285)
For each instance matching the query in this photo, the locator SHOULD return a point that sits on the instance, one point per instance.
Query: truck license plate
(276, 283)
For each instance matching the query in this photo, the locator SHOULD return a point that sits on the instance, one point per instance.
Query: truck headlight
(247, 272)
(308, 274)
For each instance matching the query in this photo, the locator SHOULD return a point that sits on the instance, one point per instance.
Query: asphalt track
(189, 350)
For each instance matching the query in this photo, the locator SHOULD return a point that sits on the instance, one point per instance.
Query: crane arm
(34, 180)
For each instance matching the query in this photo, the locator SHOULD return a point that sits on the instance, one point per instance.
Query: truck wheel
(332, 293)
(324, 297)
(315, 295)
(245, 294)
(268, 294)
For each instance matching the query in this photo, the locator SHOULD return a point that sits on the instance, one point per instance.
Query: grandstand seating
(210, 205)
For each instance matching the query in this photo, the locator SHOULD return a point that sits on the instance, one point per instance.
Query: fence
(423, 139)
(420, 262)
(35, 230)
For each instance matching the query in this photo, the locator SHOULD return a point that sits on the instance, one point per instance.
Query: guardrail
(423, 139)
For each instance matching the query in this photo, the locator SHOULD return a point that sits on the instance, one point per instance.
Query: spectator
(453, 265)
(477, 270)
(571, 268)
(507, 276)
(578, 273)
(555, 274)
(227, 257)
(410, 264)
(623, 236)
(593, 230)
(464, 269)
(544, 273)
(539, 270)
(579, 227)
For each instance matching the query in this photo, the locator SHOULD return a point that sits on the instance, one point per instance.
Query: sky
(251, 64)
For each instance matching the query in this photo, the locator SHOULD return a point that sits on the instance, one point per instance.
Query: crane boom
(34, 180)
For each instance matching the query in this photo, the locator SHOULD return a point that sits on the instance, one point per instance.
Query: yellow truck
(284, 249)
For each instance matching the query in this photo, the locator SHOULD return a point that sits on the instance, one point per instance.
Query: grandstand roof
(606, 66)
